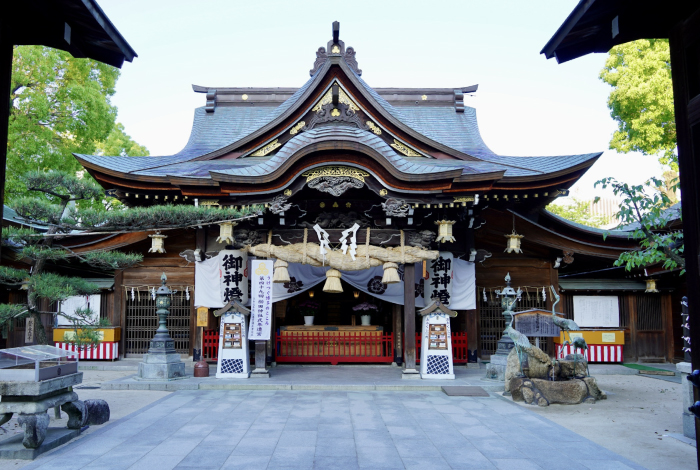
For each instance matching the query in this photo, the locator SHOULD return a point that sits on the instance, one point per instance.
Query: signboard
(29, 331)
(438, 285)
(261, 299)
(536, 323)
(203, 317)
(234, 276)
(596, 311)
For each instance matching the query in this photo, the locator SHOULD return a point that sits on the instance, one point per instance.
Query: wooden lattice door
(142, 322)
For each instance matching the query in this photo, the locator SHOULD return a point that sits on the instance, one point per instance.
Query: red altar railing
(379, 343)
(459, 347)
(334, 347)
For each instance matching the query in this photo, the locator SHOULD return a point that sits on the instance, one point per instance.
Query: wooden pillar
(472, 336)
(5, 80)
(409, 317)
(198, 331)
(668, 324)
(631, 349)
(120, 309)
(398, 336)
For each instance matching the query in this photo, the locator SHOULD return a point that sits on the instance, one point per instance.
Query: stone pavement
(258, 429)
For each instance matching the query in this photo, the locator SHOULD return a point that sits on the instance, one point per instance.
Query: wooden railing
(335, 347)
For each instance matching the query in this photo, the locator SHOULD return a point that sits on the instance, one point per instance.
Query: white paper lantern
(445, 231)
(157, 243)
(226, 233)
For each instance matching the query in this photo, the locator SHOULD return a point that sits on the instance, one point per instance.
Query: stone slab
(464, 391)
(12, 448)
(39, 406)
(40, 388)
(162, 371)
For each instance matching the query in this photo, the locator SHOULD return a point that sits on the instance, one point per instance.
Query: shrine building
(376, 202)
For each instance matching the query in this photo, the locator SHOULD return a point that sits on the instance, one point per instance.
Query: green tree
(641, 101)
(60, 105)
(578, 211)
(53, 208)
(645, 210)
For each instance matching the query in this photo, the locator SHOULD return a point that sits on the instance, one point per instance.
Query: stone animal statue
(580, 344)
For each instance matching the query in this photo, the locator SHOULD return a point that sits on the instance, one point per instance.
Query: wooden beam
(398, 347)
(409, 316)
(120, 308)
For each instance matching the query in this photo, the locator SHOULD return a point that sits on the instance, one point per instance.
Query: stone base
(437, 377)
(260, 374)
(686, 368)
(410, 374)
(564, 392)
(161, 371)
(496, 369)
(12, 448)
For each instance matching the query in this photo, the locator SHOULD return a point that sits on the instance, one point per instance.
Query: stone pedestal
(496, 369)
(686, 368)
(161, 366)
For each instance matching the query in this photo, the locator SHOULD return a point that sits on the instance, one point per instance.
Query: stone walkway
(258, 429)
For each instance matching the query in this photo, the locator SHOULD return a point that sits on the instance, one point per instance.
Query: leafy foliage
(38, 210)
(59, 105)
(111, 259)
(55, 287)
(645, 210)
(153, 217)
(9, 312)
(578, 211)
(118, 143)
(10, 275)
(63, 185)
(18, 235)
(642, 98)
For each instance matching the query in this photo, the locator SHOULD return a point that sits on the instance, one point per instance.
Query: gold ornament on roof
(464, 199)
(424, 97)
(266, 149)
(287, 192)
(383, 192)
(226, 233)
(445, 231)
(342, 98)
(209, 202)
(409, 152)
(335, 171)
(374, 128)
(335, 49)
(294, 130)
(157, 243)
(244, 97)
(335, 112)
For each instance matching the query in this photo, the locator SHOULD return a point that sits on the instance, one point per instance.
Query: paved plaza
(258, 429)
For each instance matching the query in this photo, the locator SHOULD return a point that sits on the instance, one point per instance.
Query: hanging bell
(281, 274)
(226, 233)
(332, 284)
(445, 231)
(157, 243)
(513, 244)
(651, 286)
(391, 274)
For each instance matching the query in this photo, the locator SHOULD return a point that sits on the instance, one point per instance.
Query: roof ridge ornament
(335, 47)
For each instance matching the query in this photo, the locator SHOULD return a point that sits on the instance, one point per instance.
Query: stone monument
(162, 361)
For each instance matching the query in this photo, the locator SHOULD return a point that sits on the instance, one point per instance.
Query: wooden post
(120, 309)
(472, 337)
(198, 344)
(398, 336)
(409, 319)
(6, 52)
(631, 349)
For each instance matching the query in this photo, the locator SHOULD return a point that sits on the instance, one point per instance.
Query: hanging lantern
(226, 233)
(281, 274)
(651, 286)
(311, 294)
(445, 231)
(391, 274)
(513, 244)
(356, 294)
(157, 244)
(333, 285)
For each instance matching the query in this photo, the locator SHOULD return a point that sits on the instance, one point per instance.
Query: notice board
(596, 311)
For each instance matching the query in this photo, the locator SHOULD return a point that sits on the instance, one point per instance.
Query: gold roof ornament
(226, 233)
(513, 244)
(266, 149)
(445, 231)
(404, 149)
(157, 243)
(651, 286)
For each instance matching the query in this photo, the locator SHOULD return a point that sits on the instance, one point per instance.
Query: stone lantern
(497, 366)
(162, 361)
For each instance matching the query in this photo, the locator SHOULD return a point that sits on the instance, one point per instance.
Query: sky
(526, 104)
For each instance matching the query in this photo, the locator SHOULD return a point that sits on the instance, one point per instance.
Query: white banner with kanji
(260, 299)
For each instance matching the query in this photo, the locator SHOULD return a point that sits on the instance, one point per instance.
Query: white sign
(29, 331)
(596, 311)
(234, 276)
(438, 285)
(261, 299)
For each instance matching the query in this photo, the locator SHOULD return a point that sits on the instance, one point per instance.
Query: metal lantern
(513, 244)
(651, 286)
(445, 231)
(162, 339)
(157, 243)
(226, 233)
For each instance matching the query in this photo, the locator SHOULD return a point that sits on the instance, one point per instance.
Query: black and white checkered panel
(438, 365)
(231, 366)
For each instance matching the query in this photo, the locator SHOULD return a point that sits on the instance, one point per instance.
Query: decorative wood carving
(568, 257)
(267, 149)
(394, 207)
(351, 60)
(321, 58)
(279, 205)
(423, 238)
(327, 220)
(409, 152)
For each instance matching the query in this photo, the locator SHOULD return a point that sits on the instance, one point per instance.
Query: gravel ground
(634, 421)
